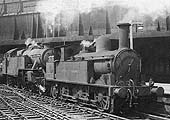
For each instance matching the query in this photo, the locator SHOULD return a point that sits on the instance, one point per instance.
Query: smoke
(85, 43)
(31, 42)
(138, 9)
(54, 10)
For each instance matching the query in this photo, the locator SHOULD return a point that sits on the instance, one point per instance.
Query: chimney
(16, 30)
(158, 27)
(123, 35)
(91, 31)
(168, 23)
(108, 29)
(21, 9)
(81, 29)
(5, 7)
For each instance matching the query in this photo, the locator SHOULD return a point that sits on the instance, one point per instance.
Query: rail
(24, 104)
(49, 108)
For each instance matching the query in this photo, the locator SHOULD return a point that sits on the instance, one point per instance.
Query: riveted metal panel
(14, 64)
(50, 70)
(74, 71)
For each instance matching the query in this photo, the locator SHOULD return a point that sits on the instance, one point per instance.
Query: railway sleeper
(78, 109)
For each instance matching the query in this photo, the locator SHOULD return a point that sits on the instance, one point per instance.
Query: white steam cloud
(137, 9)
(68, 9)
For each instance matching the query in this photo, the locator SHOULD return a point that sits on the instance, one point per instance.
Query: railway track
(31, 106)
(20, 104)
(138, 115)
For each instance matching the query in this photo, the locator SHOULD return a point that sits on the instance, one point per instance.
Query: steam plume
(68, 9)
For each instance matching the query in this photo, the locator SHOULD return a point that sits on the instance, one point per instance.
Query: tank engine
(107, 79)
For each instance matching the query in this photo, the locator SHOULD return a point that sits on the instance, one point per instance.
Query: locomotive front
(122, 64)
(39, 56)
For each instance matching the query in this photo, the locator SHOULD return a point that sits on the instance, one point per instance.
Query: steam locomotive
(107, 79)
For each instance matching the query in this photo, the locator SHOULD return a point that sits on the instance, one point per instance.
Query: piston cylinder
(102, 67)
